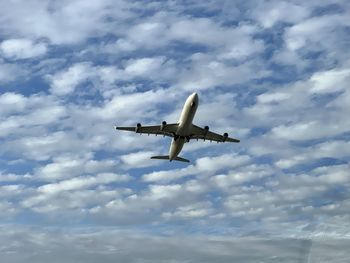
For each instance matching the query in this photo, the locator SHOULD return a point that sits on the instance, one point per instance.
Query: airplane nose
(193, 99)
(195, 96)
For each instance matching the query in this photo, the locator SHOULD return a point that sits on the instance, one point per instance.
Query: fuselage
(185, 126)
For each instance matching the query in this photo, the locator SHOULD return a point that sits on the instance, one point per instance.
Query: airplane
(181, 132)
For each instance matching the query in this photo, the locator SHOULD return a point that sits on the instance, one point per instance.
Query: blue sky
(273, 73)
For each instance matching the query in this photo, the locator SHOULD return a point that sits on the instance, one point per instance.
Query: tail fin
(166, 157)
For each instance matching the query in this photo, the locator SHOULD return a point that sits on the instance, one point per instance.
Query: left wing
(163, 129)
(205, 134)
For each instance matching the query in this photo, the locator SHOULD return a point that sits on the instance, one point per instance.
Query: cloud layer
(274, 74)
(109, 245)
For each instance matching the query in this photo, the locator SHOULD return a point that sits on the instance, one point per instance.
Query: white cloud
(309, 130)
(191, 30)
(39, 147)
(272, 12)
(95, 244)
(68, 166)
(10, 72)
(244, 174)
(140, 103)
(82, 182)
(168, 176)
(38, 130)
(163, 191)
(308, 117)
(276, 97)
(11, 103)
(208, 72)
(314, 30)
(11, 177)
(212, 164)
(144, 34)
(329, 149)
(313, 41)
(34, 112)
(330, 81)
(138, 159)
(22, 49)
(143, 66)
(164, 27)
(336, 174)
(135, 69)
(35, 118)
(63, 22)
(13, 189)
(148, 206)
(7, 209)
(65, 82)
(204, 165)
(103, 78)
(193, 211)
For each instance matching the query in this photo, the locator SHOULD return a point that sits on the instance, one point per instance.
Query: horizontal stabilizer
(180, 159)
(166, 157)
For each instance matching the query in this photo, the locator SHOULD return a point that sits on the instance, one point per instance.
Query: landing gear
(176, 137)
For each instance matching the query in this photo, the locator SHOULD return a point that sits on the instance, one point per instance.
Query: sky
(274, 74)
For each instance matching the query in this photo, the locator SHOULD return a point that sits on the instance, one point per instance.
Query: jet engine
(162, 126)
(138, 126)
(225, 137)
(206, 129)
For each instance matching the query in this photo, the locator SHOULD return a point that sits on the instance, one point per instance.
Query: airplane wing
(163, 129)
(205, 134)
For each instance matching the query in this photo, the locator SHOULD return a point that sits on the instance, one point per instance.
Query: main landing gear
(176, 137)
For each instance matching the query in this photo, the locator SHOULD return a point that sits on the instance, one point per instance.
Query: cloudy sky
(274, 74)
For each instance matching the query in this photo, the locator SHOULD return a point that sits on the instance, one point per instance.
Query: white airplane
(181, 132)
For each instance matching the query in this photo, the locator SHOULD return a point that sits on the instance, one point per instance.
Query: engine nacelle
(206, 129)
(225, 137)
(162, 126)
(138, 126)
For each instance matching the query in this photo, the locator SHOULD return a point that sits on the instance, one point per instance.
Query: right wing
(205, 134)
(164, 129)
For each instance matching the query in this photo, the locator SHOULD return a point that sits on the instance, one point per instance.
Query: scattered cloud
(80, 182)
(330, 81)
(270, 13)
(138, 159)
(205, 165)
(274, 74)
(22, 49)
(144, 66)
(106, 244)
(65, 82)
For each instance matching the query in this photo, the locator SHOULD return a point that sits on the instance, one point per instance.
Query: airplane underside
(181, 132)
